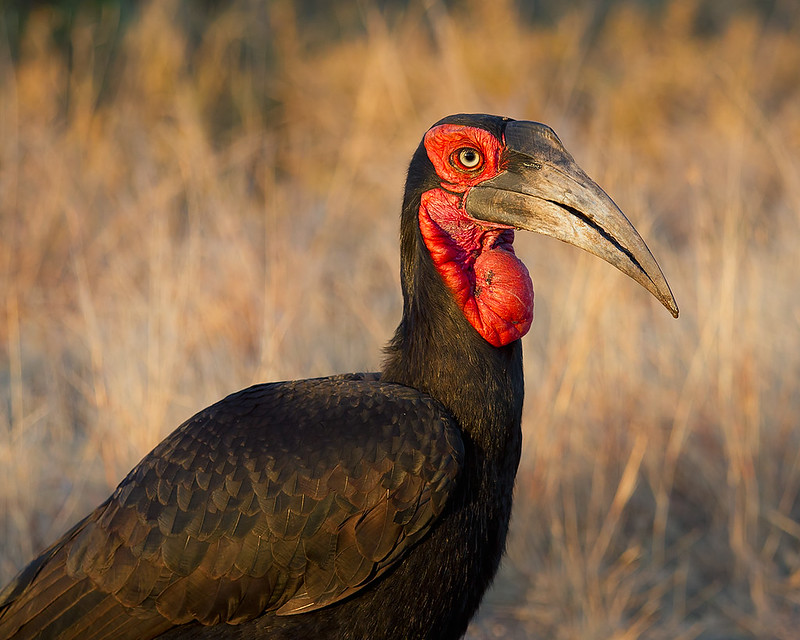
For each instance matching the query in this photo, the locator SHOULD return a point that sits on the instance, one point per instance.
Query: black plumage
(353, 506)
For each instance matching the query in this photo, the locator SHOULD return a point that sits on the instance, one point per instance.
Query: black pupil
(469, 157)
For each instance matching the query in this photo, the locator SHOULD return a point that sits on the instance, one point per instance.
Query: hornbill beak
(541, 189)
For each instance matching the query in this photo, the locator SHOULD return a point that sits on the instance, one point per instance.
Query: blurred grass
(185, 211)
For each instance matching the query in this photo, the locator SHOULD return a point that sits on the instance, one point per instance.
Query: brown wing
(283, 497)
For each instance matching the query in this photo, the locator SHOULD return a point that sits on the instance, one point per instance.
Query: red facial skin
(475, 258)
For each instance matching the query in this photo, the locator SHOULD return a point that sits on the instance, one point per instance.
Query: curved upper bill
(541, 189)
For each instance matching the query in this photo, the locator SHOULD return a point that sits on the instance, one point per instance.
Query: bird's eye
(468, 158)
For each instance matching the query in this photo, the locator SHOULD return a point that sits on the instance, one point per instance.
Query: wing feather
(285, 497)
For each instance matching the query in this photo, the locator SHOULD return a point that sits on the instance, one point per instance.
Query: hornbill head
(481, 177)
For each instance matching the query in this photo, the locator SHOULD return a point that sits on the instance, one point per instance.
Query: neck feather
(436, 350)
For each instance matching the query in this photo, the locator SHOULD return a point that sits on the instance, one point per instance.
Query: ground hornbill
(354, 506)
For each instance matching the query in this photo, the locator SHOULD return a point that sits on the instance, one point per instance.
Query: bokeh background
(198, 196)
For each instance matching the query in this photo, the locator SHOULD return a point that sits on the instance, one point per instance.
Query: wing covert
(284, 497)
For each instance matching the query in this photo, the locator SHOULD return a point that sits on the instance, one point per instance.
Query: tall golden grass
(185, 211)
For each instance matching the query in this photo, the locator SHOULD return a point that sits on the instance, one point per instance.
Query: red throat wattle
(475, 259)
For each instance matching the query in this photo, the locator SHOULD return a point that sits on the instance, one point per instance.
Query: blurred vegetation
(195, 197)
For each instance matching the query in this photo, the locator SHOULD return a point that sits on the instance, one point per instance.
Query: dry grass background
(186, 209)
